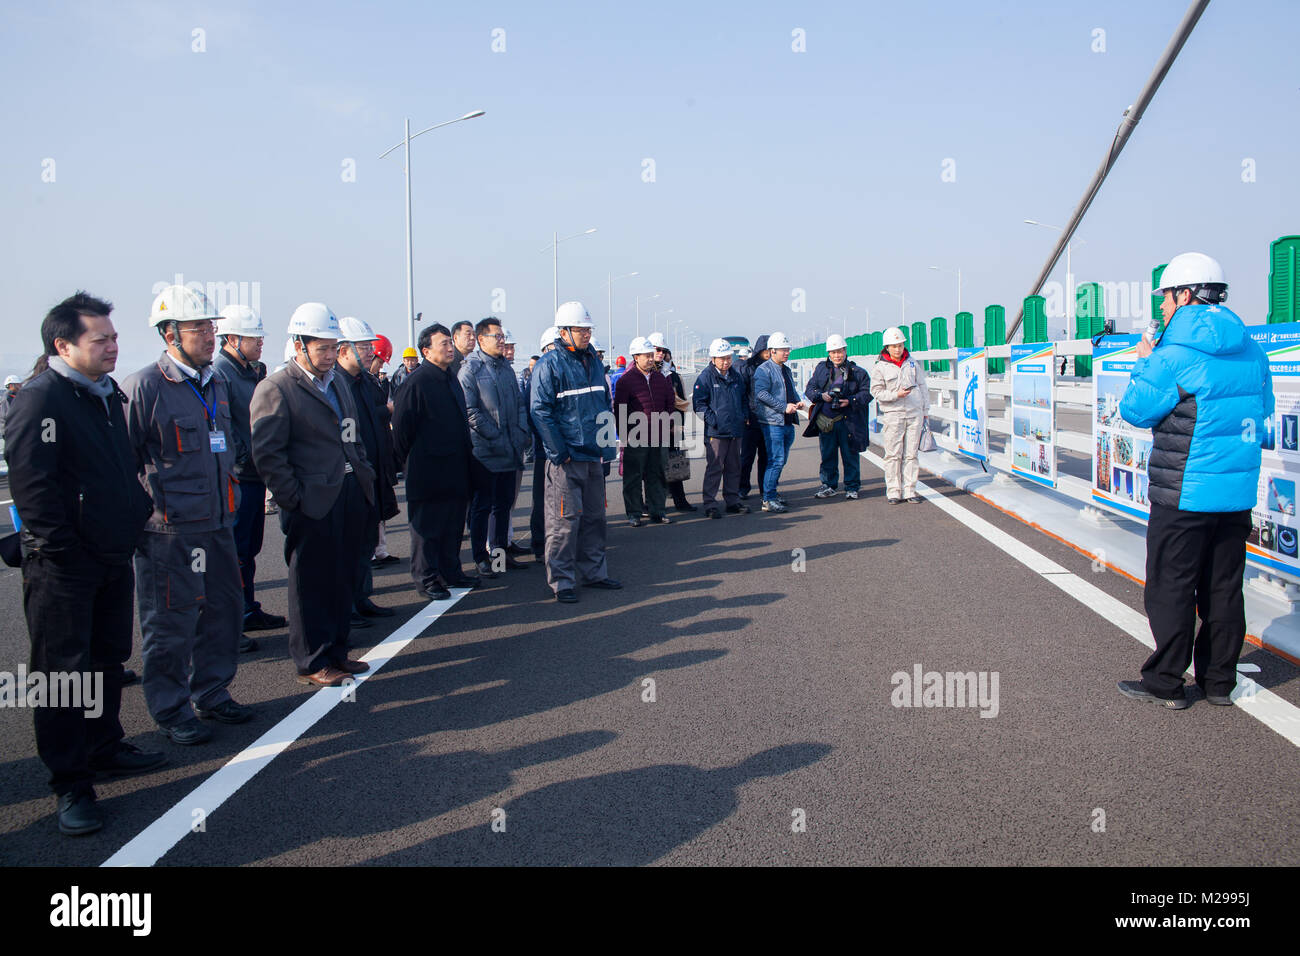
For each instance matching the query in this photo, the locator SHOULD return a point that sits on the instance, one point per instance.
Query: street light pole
(1069, 278)
(555, 263)
(950, 272)
(638, 311)
(610, 315)
(410, 280)
(903, 299)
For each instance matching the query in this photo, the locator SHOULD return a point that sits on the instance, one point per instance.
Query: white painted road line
(1268, 708)
(149, 846)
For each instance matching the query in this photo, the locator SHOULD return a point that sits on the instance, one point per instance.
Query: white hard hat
(549, 337)
(240, 320)
(572, 315)
(640, 346)
(894, 336)
(12, 380)
(596, 346)
(719, 348)
(352, 329)
(1190, 270)
(657, 340)
(509, 337)
(315, 320)
(834, 342)
(777, 340)
(179, 304)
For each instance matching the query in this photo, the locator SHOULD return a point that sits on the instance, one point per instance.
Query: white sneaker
(826, 492)
(851, 495)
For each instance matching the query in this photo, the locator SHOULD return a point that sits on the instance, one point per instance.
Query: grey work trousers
(575, 524)
(722, 466)
(191, 614)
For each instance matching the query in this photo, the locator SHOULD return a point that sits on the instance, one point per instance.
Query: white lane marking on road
(1268, 708)
(148, 847)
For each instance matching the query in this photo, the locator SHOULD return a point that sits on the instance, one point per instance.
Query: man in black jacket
(356, 349)
(72, 473)
(431, 440)
(239, 362)
(752, 445)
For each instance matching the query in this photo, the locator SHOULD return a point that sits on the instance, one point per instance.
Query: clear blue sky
(774, 170)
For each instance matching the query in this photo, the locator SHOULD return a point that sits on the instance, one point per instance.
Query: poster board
(972, 403)
(1033, 412)
(1274, 532)
(1120, 452)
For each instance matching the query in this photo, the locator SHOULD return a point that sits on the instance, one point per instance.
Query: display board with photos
(1033, 412)
(1121, 452)
(972, 403)
(1274, 529)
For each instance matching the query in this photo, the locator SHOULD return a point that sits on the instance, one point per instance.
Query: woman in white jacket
(902, 403)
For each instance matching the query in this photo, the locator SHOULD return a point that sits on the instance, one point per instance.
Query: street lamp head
(1032, 222)
(590, 231)
(472, 115)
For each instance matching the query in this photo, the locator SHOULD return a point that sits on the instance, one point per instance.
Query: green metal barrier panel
(1090, 319)
(995, 333)
(965, 330)
(1156, 297)
(1035, 324)
(939, 340)
(918, 339)
(1284, 280)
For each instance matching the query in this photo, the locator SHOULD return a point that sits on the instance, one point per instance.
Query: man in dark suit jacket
(431, 436)
(308, 447)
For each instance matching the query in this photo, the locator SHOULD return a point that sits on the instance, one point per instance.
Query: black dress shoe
(368, 608)
(686, 507)
(738, 509)
(485, 570)
(129, 676)
(78, 814)
(513, 565)
(567, 596)
(437, 592)
(637, 522)
(660, 519)
(126, 760)
(246, 644)
(712, 513)
(464, 581)
(259, 620)
(357, 621)
(516, 550)
(605, 584)
(385, 561)
(186, 731)
(226, 712)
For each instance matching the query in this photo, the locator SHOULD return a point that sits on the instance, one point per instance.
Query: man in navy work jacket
(1204, 389)
(719, 400)
(570, 407)
(841, 391)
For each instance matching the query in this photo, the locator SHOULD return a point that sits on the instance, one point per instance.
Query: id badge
(217, 440)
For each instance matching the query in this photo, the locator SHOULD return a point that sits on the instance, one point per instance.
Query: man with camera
(840, 391)
(1204, 389)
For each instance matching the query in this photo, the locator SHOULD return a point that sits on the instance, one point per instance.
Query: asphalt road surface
(514, 730)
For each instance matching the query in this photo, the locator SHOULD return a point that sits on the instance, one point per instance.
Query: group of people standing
(152, 493)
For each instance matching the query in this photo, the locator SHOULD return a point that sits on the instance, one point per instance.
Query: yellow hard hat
(409, 352)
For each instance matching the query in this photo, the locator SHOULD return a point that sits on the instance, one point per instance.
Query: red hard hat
(383, 348)
(621, 361)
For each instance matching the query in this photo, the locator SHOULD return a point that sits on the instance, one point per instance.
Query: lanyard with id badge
(216, 437)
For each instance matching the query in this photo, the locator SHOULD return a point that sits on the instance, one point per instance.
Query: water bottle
(1153, 330)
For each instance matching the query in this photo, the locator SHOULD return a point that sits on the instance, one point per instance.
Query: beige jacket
(887, 378)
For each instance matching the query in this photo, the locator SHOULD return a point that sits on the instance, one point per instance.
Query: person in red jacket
(644, 401)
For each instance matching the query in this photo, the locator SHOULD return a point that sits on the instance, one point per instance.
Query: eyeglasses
(498, 336)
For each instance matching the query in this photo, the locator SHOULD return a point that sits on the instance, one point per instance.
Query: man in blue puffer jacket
(1205, 390)
(570, 409)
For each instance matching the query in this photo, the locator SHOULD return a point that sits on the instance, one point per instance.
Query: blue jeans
(779, 438)
(836, 443)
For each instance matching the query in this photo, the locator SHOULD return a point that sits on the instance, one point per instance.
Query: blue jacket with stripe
(1204, 391)
(570, 405)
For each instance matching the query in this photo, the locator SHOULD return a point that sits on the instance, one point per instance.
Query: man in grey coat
(308, 448)
(499, 430)
(186, 568)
